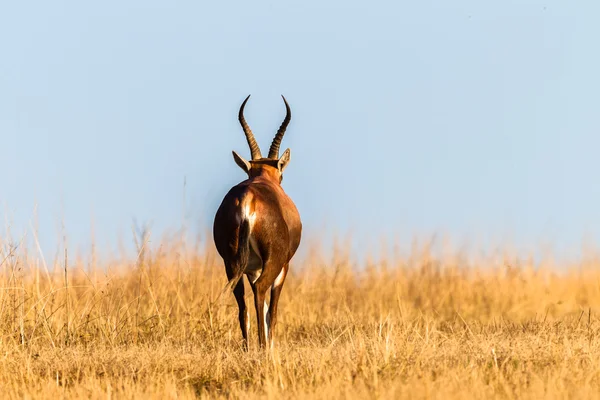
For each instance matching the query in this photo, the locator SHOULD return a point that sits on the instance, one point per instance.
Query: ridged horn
(274, 150)
(254, 149)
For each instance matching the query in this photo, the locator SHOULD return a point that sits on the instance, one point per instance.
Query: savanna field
(417, 326)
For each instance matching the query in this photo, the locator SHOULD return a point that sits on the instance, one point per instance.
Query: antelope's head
(272, 166)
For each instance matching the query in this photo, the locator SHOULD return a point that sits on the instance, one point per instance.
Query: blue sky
(475, 119)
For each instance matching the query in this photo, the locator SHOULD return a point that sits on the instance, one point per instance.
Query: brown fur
(276, 232)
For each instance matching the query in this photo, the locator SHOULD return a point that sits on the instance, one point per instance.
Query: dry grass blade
(421, 327)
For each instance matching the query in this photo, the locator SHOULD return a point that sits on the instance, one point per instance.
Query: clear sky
(474, 118)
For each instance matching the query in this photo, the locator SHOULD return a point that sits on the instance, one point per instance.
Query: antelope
(257, 231)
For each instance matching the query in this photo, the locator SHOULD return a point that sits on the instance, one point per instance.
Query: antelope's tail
(241, 259)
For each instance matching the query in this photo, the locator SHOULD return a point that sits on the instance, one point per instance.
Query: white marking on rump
(279, 279)
(255, 263)
(251, 217)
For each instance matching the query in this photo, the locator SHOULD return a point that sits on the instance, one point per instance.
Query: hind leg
(260, 291)
(275, 292)
(260, 288)
(243, 315)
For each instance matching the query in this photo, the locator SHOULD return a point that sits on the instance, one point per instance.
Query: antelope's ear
(243, 164)
(284, 160)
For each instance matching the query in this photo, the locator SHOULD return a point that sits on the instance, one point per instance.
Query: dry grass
(419, 327)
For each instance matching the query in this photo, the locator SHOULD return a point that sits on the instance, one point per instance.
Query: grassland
(417, 327)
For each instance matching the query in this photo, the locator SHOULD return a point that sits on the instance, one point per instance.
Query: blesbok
(257, 231)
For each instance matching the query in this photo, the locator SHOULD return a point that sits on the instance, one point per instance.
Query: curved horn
(254, 149)
(274, 150)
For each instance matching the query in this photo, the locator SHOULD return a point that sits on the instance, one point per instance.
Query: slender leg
(243, 315)
(261, 311)
(275, 292)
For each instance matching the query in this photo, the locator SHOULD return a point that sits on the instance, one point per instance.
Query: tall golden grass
(419, 326)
